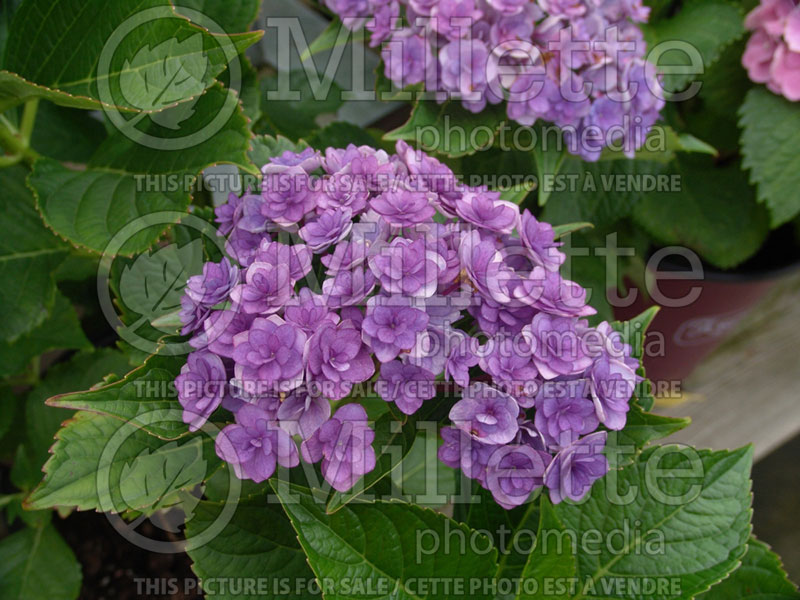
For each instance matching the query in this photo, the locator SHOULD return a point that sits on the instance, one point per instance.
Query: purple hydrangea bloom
(329, 228)
(467, 69)
(408, 267)
(392, 325)
(483, 265)
(404, 208)
(454, 18)
(336, 359)
(612, 385)
(463, 451)
(302, 414)
(219, 329)
(564, 412)
(308, 311)
(308, 160)
(494, 318)
(255, 445)
(266, 289)
(346, 288)
(288, 196)
(408, 58)
(485, 209)
(556, 345)
(344, 444)
(342, 190)
(269, 355)
(487, 414)
(228, 214)
(192, 315)
(405, 384)
(576, 467)
(201, 387)
(514, 472)
(539, 238)
(508, 361)
(547, 291)
(460, 359)
(384, 22)
(296, 257)
(215, 284)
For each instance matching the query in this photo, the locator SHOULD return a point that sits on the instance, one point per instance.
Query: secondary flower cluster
(577, 63)
(356, 271)
(772, 55)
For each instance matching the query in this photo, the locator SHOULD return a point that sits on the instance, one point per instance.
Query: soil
(115, 569)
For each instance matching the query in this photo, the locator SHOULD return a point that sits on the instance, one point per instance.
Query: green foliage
(770, 140)
(760, 575)
(691, 25)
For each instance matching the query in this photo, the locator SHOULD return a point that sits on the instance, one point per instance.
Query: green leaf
(567, 228)
(691, 26)
(103, 463)
(387, 546)
(29, 254)
(257, 543)
(714, 212)
(204, 138)
(65, 133)
(760, 576)
(36, 564)
(689, 526)
(58, 59)
(770, 138)
(89, 207)
(231, 15)
(391, 435)
(549, 155)
(334, 35)
(543, 565)
(602, 192)
(152, 285)
(641, 428)
(339, 135)
(61, 330)
(297, 118)
(264, 147)
(450, 129)
(147, 390)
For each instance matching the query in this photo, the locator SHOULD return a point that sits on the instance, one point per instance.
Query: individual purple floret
(255, 445)
(514, 472)
(269, 356)
(288, 196)
(556, 345)
(564, 412)
(487, 414)
(302, 414)
(405, 384)
(308, 311)
(329, 228)
(266, 289)
(612, 385)
(539, 238)
(404, 208)
(576, 467)
(344, 444)
(201, 387)
(215, 284)
(408, 267)
(336, 358)
(392, 325)
(485, 209)
(219, 329)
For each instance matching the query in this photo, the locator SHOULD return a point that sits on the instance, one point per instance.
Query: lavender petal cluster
(579, 64)
(354, 272)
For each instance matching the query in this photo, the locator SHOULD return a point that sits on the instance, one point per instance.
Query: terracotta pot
(694, 329)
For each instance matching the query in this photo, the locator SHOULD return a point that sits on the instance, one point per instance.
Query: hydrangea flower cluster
(355, 273)
(772, 55)
(577, 63)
